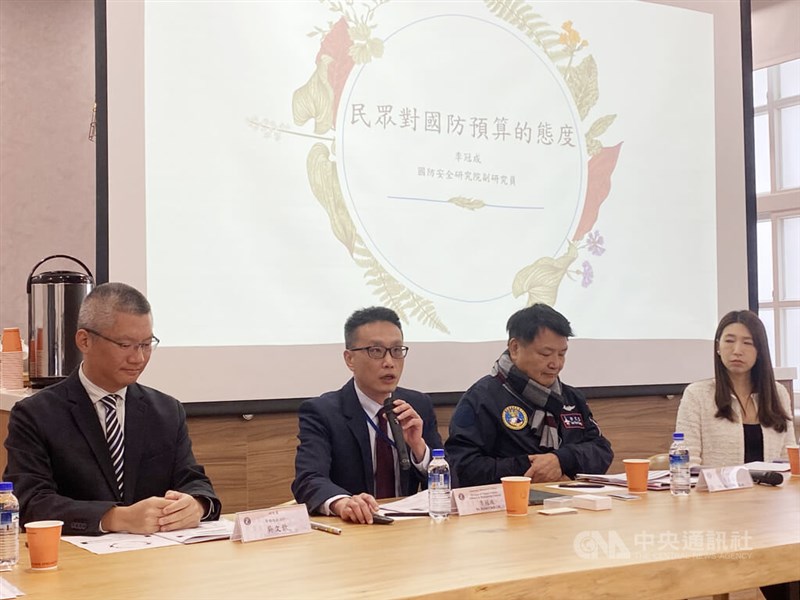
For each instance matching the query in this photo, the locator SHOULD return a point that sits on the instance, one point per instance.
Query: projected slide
(273, 166)
(455, 161)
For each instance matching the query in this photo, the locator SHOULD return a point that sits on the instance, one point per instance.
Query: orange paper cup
(43, 540)
(12, 342)
(636, 471)
(794, 459)
(516, 491)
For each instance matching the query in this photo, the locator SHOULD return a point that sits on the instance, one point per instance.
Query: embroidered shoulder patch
(514, 418)
(572, 420)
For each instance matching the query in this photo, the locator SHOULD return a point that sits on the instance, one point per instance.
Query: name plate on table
(479, 499)
(266, 523)
(724, 478)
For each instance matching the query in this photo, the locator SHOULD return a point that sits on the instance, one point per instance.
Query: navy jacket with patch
(483, 447)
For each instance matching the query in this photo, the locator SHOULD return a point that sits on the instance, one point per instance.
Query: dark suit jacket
(61, 467)
(335, 457)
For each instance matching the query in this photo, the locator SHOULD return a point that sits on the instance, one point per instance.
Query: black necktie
(115, 438)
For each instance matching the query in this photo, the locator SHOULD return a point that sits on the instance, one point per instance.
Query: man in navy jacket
(520, 419)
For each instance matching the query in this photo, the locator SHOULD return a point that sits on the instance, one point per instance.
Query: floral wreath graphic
(348, 42)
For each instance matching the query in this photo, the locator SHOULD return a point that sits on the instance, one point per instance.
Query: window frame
(774, 206)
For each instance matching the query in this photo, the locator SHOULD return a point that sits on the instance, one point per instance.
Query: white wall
(776, 31)
(47, 171)
(47, 164)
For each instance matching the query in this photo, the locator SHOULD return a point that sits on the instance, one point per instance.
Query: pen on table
(326, 528)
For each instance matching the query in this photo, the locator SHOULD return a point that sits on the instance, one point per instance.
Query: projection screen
(273, 166)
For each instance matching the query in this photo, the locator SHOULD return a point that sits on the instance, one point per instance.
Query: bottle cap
(438, 453)
(6, 486)
(677, 436)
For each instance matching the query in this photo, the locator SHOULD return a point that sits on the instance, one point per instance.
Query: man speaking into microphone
(349, 452)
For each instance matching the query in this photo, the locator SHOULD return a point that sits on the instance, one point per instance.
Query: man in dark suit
(345, 458)
(99, 451)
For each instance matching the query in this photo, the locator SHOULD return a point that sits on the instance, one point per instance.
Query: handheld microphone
(397, 433)
(767, 477)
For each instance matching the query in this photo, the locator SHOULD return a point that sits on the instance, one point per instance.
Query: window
(776, 99)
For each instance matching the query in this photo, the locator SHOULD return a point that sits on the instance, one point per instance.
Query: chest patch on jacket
(572, 420)
(514, 418)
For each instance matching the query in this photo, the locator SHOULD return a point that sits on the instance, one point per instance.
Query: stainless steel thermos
(54, 299)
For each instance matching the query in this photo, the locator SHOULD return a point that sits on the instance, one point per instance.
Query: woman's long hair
(770, 411)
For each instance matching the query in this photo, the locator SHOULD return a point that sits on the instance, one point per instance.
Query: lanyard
(378, 430)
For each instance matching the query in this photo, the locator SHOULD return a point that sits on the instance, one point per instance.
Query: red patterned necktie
(384, 462)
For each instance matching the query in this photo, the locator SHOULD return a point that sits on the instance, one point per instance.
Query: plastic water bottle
(679, 475)
(438, 487)
(9, 526)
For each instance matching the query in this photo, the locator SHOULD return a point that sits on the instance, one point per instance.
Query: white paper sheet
(418, 503)
(8, 590)
(111, 543)
(205, 532)
(767, 466)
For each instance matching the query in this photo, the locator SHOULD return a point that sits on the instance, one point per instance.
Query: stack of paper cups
(11, 360)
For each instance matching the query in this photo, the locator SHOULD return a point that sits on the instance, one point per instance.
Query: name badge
(265, 523)
(572, 420)
(479, 499)
(724, 478)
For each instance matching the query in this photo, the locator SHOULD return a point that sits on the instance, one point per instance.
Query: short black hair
(525, 324)
(365, 316)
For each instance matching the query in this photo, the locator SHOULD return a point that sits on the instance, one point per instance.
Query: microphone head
(388, 404)
(767, 477)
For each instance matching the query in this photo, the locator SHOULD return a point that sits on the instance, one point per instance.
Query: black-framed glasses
(378, 352)
(144, 347)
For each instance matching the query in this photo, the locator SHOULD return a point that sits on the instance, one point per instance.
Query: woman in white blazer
(741, 415)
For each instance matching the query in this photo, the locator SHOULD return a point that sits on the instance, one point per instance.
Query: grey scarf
(546, 403)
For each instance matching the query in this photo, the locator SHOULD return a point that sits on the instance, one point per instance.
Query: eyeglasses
(144, 347)
(378, 352)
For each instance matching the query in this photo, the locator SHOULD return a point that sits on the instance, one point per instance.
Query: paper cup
(794, 459)
(12, 342)
(516, 491)
(11, 364)
(43, 540)
(636, 471)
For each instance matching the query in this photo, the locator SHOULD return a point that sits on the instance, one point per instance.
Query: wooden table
(638, 549)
